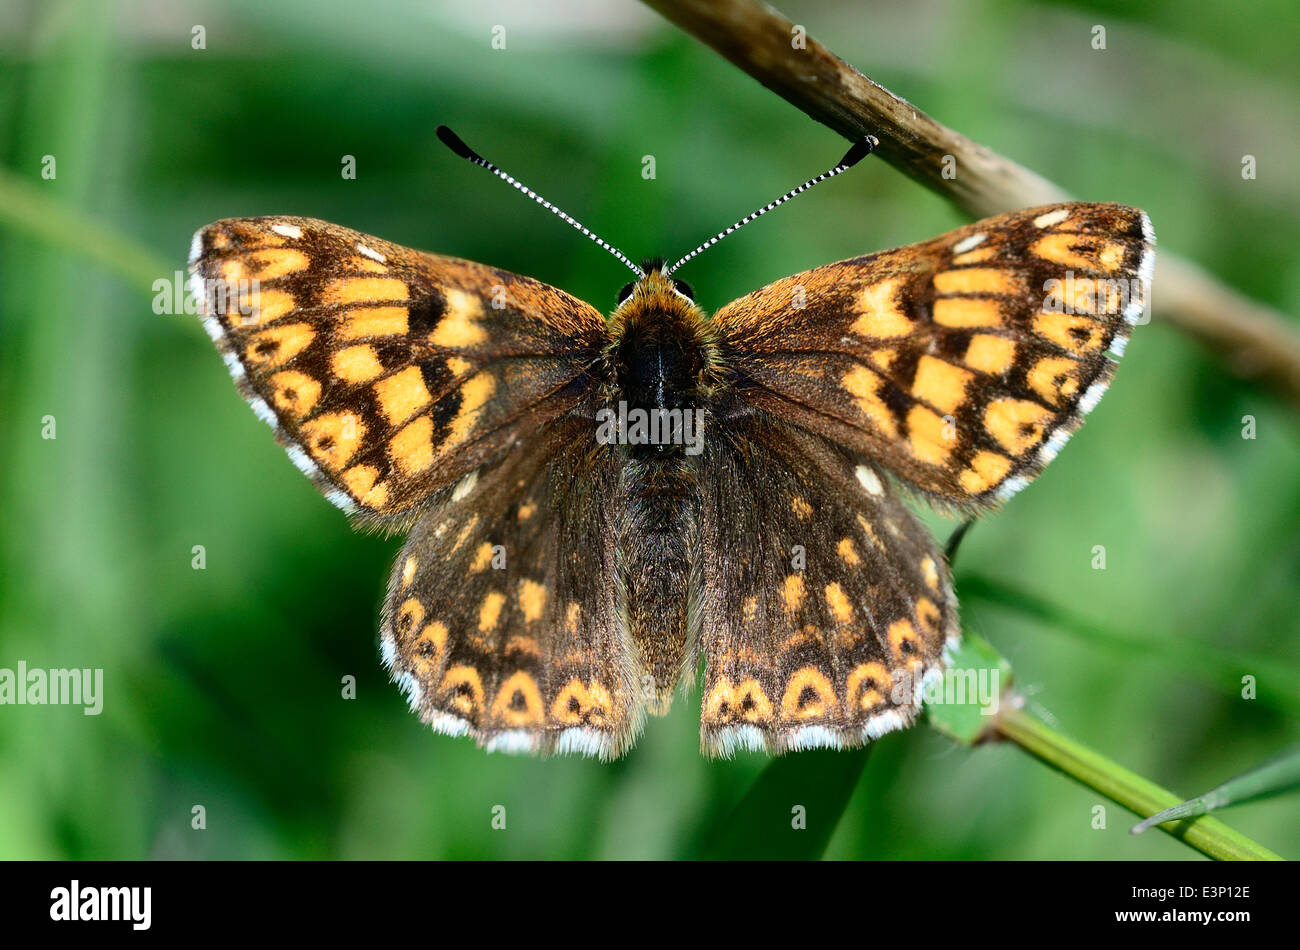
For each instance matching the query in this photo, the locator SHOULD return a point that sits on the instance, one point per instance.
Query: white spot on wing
(302, 462)
(968, 243)
(341, 500)
(1091, 398)
(213, 328)
(729, 740)
(371, 253)
(512, 742)
(869, 479)
(1138, 304)
(813, 737)
(1053, 445)
(465, 486)
(448, 725)
(287, 230)
(890, 720)
(235, 367)
(583, 741)
(410, 688)
(1011, 487)
(263, 412)
(1049, 218)
(196, 246)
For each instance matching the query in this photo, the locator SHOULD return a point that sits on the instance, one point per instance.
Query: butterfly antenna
(457, 145)
(854, 155)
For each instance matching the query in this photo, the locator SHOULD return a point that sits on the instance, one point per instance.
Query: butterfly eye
(626, 291)
(684, 289)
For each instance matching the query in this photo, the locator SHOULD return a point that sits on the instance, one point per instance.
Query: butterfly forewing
(961, 364)
(388, 373)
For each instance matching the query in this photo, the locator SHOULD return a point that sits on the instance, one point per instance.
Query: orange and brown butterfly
(570, 562)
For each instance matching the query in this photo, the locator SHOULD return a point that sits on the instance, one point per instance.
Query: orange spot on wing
(1072, 332)
(1055, 379)
(990, 354)
(797, 705)
(277, 345)
(940, 384)
(1016, 424)
(838, 602)
(728, 702)
(459, 327)
(412, 448)
(792, 592)
(465, 687)
(878, 311)
(926, 436)
(361, 290)
(360, 480)
(402, 395)
(490, 610)
(977, 280)
(356, 364)
(373, 321)
(867, 686)
(334, 438)
(967, 312)
(519, 701)
(1068, 250)
(986, 470)
(976, 256)
(865, 386)
(275, 262)
(482, 558)
(474, 394)
(904, 642)
(294, 393)
(532, 599)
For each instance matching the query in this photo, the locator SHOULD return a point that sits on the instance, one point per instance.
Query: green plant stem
(1207, 835)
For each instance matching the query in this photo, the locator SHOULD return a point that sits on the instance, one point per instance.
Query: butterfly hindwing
(825, 603)
(387, 373)
(501, 620)
(961, 364)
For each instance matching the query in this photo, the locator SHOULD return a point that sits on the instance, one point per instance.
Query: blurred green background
(222, 686)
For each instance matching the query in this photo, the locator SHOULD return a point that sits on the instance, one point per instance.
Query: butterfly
(598, 506)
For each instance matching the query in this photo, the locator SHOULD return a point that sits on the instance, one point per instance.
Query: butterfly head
(654, 278)
(660, 341)
(656, 299)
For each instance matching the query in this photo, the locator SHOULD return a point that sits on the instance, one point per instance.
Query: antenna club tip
(859, 151)
(455, 143)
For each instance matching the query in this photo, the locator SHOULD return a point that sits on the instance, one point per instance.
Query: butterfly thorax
(662, 355)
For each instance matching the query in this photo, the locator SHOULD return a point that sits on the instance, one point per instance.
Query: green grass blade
(1274, 777)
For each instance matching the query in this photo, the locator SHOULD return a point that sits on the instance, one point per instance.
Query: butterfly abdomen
(658, 556)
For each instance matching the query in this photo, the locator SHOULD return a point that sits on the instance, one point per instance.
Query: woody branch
(1255, 341)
